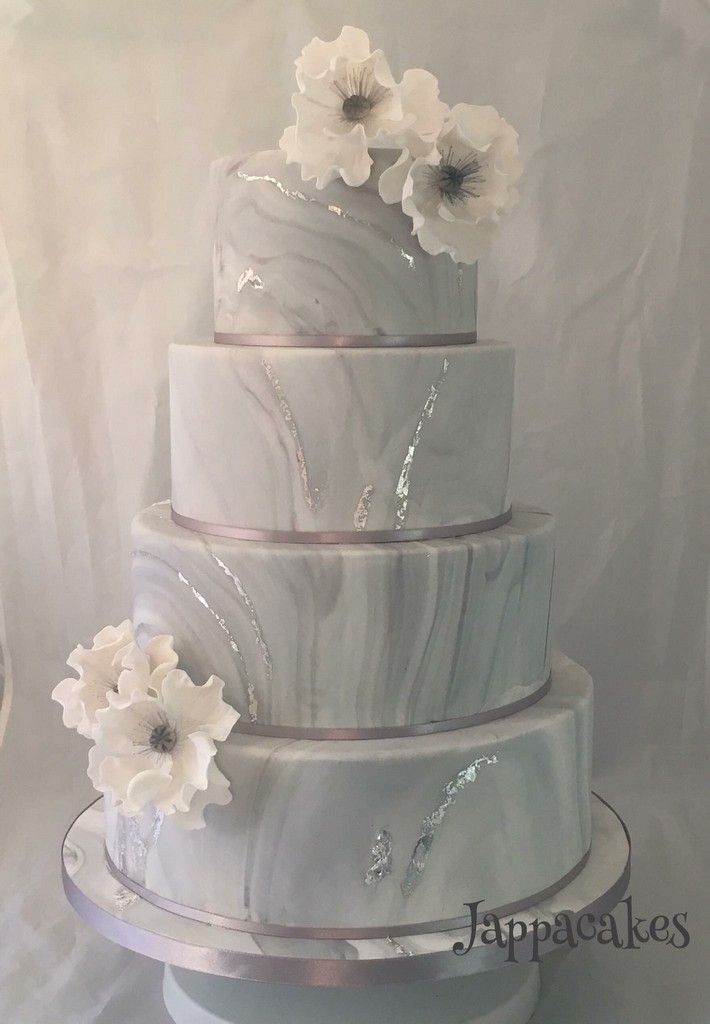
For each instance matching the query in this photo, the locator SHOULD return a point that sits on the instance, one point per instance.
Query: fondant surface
(382, 832)
(348, 440)
(362, 635)
(292, 259)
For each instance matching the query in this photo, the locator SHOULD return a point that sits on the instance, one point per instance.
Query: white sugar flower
(455, 194)
(98, 669)
(159, 749)
(423, 115)
(347, 98)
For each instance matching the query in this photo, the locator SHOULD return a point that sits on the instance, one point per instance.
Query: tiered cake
(340, 550)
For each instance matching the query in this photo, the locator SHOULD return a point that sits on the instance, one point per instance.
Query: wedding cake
(340, 556)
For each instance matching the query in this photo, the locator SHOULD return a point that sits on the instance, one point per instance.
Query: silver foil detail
(256, 628)
(310, 495)
(363, 507)
(398, 947)
(250, 277)
(124, 898)
(380, 858)
(135, 838)
(430, 825)
(253, 705)
(338, 211)
(402, 489)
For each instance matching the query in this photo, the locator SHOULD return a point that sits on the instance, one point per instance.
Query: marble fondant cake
(335, 714)
(340, 551)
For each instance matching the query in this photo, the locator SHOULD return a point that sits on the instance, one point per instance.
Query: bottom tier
(380, 834)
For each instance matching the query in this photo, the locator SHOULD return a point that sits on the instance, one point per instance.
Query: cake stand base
(504, 996)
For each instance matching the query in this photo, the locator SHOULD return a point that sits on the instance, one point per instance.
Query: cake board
(412, 978)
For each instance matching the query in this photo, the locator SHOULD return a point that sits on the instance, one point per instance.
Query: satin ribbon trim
(345, 340)
(341, 536)
(298, 732)
(294, 932)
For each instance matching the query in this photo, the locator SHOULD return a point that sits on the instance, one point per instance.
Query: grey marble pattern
(293, 846)
(352, 636)
(340, 439)
(292, 259)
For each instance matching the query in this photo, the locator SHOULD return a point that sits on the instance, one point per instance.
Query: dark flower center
(356, 108)
(163, 738)
(457, 179)
(361, 93)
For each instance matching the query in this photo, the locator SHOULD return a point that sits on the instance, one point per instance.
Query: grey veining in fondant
(292, 439)
(291, 847)
(357, 636)
(330, 261)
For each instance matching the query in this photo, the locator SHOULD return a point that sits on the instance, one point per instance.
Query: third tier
(347, 441)
(353, 636)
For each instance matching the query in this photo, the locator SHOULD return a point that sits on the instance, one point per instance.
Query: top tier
(292, 259)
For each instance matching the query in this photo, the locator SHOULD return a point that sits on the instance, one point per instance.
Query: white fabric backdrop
(110, 113)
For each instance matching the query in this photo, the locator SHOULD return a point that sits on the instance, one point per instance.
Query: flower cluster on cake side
(457, 166)
(153, 729)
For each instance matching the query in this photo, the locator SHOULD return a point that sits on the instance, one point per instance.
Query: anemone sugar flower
(456, 192)
(348, 101)
(159, 749)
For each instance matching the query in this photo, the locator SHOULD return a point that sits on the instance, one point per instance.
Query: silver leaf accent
(311, 496)
(402, 489)
(430, 825)
(380, 858)
(363, 507)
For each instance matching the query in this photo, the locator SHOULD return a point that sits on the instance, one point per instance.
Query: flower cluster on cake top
(457, 167)
(153, 728)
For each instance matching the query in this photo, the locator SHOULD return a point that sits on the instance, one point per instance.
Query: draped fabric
(110, 114)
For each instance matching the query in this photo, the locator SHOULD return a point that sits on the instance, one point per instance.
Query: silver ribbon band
(341, 536)
(294, 932)
(345, 340)
(298, 732)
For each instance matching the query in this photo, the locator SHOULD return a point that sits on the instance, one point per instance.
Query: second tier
(353, 636)
(345, 441)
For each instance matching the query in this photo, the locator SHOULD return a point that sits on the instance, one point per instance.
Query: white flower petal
(127, 727)
(317, 56)
(217, 792)
(423, 114)
(198, 708)
(392, 179)
(67, 693)
(147, 787)
(191, 759)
